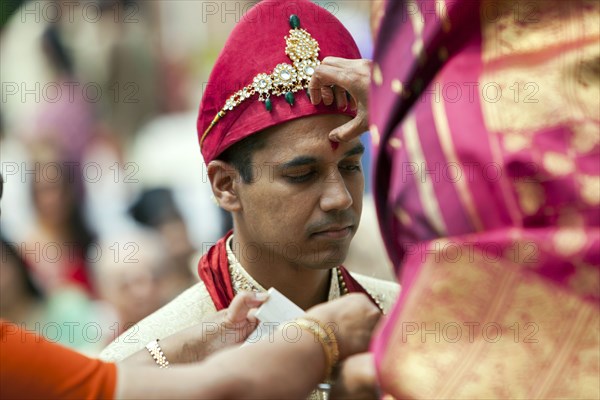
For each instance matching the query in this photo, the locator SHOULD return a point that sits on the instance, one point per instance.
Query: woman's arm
(263, 370)
(286, 364)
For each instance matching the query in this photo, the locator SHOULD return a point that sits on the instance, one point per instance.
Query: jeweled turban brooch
(285, 79)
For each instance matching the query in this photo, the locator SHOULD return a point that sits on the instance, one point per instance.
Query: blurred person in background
(156, 209)
(56, 140)
(131, 271)
(20, 299)
(51, 299)
(67, 118)
(118, 75)
(90, 98)
(178, 169)
(53, 237)
(60, 238)
(62, 315)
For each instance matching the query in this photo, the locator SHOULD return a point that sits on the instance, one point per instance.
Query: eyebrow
(299, 161)
(308, 160)
(358, 149)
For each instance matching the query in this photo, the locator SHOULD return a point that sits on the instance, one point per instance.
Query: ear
(223, 178)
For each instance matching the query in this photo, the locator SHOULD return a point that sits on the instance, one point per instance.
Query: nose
(335, 194)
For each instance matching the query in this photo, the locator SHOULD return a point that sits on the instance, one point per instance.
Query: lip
(335, 232)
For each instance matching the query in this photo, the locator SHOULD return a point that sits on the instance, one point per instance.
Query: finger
(350, 130)
(340, 98)
(242, 304)
(345, 63)
(351, 74)
(252, 315)
(327, 95)
(314, 92)
(245, 329)
(335, 61)
(323, 76)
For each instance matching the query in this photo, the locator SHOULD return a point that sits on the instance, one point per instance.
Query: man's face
(305, 200)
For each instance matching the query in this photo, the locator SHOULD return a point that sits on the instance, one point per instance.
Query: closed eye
(301, 178)
(352, 167)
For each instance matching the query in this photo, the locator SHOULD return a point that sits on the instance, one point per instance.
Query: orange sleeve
(32, 367)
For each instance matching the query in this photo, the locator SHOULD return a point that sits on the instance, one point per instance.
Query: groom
(295, 197)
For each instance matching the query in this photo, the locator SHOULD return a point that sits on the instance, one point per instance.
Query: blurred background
(107, 207)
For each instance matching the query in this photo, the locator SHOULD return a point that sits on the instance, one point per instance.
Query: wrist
(325, 335)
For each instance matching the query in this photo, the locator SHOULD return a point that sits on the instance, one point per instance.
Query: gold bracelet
(326, 336)
(157, 354)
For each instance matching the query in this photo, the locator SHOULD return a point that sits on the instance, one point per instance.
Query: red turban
(256, 46)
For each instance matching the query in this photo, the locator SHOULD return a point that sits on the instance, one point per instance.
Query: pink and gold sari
(486, 121)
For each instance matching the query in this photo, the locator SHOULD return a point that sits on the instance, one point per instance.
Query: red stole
(213, 269)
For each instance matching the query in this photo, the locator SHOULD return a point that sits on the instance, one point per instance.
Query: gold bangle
(157, 354)
(326, 336)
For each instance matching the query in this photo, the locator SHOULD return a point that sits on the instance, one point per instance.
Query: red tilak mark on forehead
(334, 145)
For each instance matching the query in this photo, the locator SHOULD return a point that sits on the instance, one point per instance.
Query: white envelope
(275, 312)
